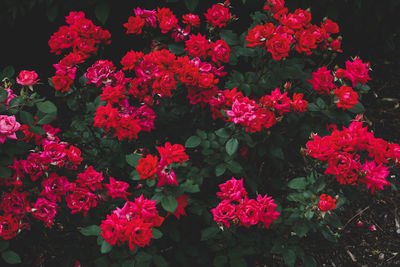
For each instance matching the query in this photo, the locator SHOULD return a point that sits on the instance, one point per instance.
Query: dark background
(370, 28)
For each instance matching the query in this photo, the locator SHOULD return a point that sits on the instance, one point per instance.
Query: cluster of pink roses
(343, 151)
(292, 30)
(236, 207)
(256, 114)
(83, 37)
(356, 71)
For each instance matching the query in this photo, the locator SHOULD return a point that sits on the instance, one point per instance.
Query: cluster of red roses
(236, 207)
(156, 74)
(258, 114)
(356, 71)
(84, 38)
(217, 16)
(50, 155)
(149, 165)
(124, 120)
(292, 30)
(343, 151)
(133, 223)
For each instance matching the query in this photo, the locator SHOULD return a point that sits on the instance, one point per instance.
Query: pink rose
(10, 95)
(26, 77)
(8, 127)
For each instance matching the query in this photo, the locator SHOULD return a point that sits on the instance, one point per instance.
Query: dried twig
(351, 255)
(352, 218)
(396, 216)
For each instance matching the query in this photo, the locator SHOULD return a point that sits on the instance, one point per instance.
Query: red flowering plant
(172, 120)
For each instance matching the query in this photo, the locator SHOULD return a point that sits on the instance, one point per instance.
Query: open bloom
(27, 77)
(8, 127)
(326, 203)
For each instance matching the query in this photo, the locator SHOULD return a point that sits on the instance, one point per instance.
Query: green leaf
(143, 257)
(238, 262)
(3, 95)
(92, 230)
(102, 261)
(128, 263)
(193, 141)
(8, 72)
(191, 4)
(47, 118)
(309, 261)
(276, 152)
(169, 203)
(11, 257)
(37, 130)
(220, 169)
(46, 107)
(296, 197)
(105, 247)
(151, 183)
(298, 183)
(224, 133)
(358, 108)
(333, 220)
(328, 234)
(133, 159)
(26, 118)
(159, 261)
(14, 102)
(231, 146)
(102, 11)
(135, 175)
(229, 37)
(321, 103)
(157, 234)
(309, 214)
(312, 107)
(209, 233)
(289, 257)
(220, 261)
(176, 49)
(301, 228)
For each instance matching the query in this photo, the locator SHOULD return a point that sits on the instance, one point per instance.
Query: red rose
(224, 212)
(147, 167)
(279, 46)
(197, 46)
(322, 81)
(167, 19)
(305, 41)
(134, 25)
(74, 155)
(347, 97)
(218, 16)
(191, 19)
(8, 226)
(330, 26)
(62, 82)
(326, 203)
(220, 52)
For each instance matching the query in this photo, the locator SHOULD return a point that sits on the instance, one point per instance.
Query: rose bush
(177, 120)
